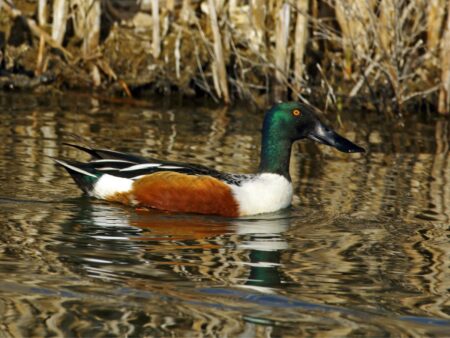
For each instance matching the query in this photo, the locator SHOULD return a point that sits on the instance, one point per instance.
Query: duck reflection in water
(124, 244)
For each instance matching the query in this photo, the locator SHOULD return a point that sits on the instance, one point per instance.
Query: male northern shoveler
(193, 188)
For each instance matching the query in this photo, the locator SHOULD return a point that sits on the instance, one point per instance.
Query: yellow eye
(296, 112)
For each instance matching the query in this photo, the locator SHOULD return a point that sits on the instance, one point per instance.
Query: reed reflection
(373, 238)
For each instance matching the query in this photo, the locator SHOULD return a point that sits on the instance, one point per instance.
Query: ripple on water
(363, 250)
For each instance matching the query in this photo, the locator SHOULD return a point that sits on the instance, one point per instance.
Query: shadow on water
(363, 250)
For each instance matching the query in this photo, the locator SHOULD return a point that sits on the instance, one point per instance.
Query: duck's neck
(275, 152)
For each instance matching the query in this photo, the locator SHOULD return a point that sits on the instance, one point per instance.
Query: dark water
(364, 250)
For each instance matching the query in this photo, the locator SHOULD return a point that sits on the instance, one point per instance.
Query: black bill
(325, 135)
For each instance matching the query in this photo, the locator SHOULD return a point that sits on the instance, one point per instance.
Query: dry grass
(393, 52)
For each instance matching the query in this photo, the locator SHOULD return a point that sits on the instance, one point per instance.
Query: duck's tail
(83, 174)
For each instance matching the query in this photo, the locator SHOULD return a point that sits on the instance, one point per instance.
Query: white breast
(264, 193)
(108, 185)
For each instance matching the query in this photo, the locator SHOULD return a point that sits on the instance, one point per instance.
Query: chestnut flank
(177, 192)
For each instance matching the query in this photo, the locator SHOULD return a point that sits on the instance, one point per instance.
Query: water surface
(363, 251)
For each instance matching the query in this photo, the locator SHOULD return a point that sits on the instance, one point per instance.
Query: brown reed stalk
(42, 20)
(341, 18)
(60, 12)
(186, 9)
(92, 13)
(281, 47)
(219, 71)
(156, 42)
(258, 13)
(170, 5)
(435, 17)
(301, 37)
(385, 26)
(183, 17)
(42, 12)
(388, 43)
(444, 94)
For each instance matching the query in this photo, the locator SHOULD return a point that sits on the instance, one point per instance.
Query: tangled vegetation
(382, 54)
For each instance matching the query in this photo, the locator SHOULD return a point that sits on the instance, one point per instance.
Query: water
(362, 252)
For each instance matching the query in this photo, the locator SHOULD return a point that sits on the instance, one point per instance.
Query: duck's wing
(99, 154)
(134, 167)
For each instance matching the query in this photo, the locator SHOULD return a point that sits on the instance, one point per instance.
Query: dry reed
(383, 54)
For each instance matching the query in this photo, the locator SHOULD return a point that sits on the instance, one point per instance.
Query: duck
(179, 187)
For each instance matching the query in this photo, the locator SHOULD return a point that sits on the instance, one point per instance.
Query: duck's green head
(294, 121)
(288, 122)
